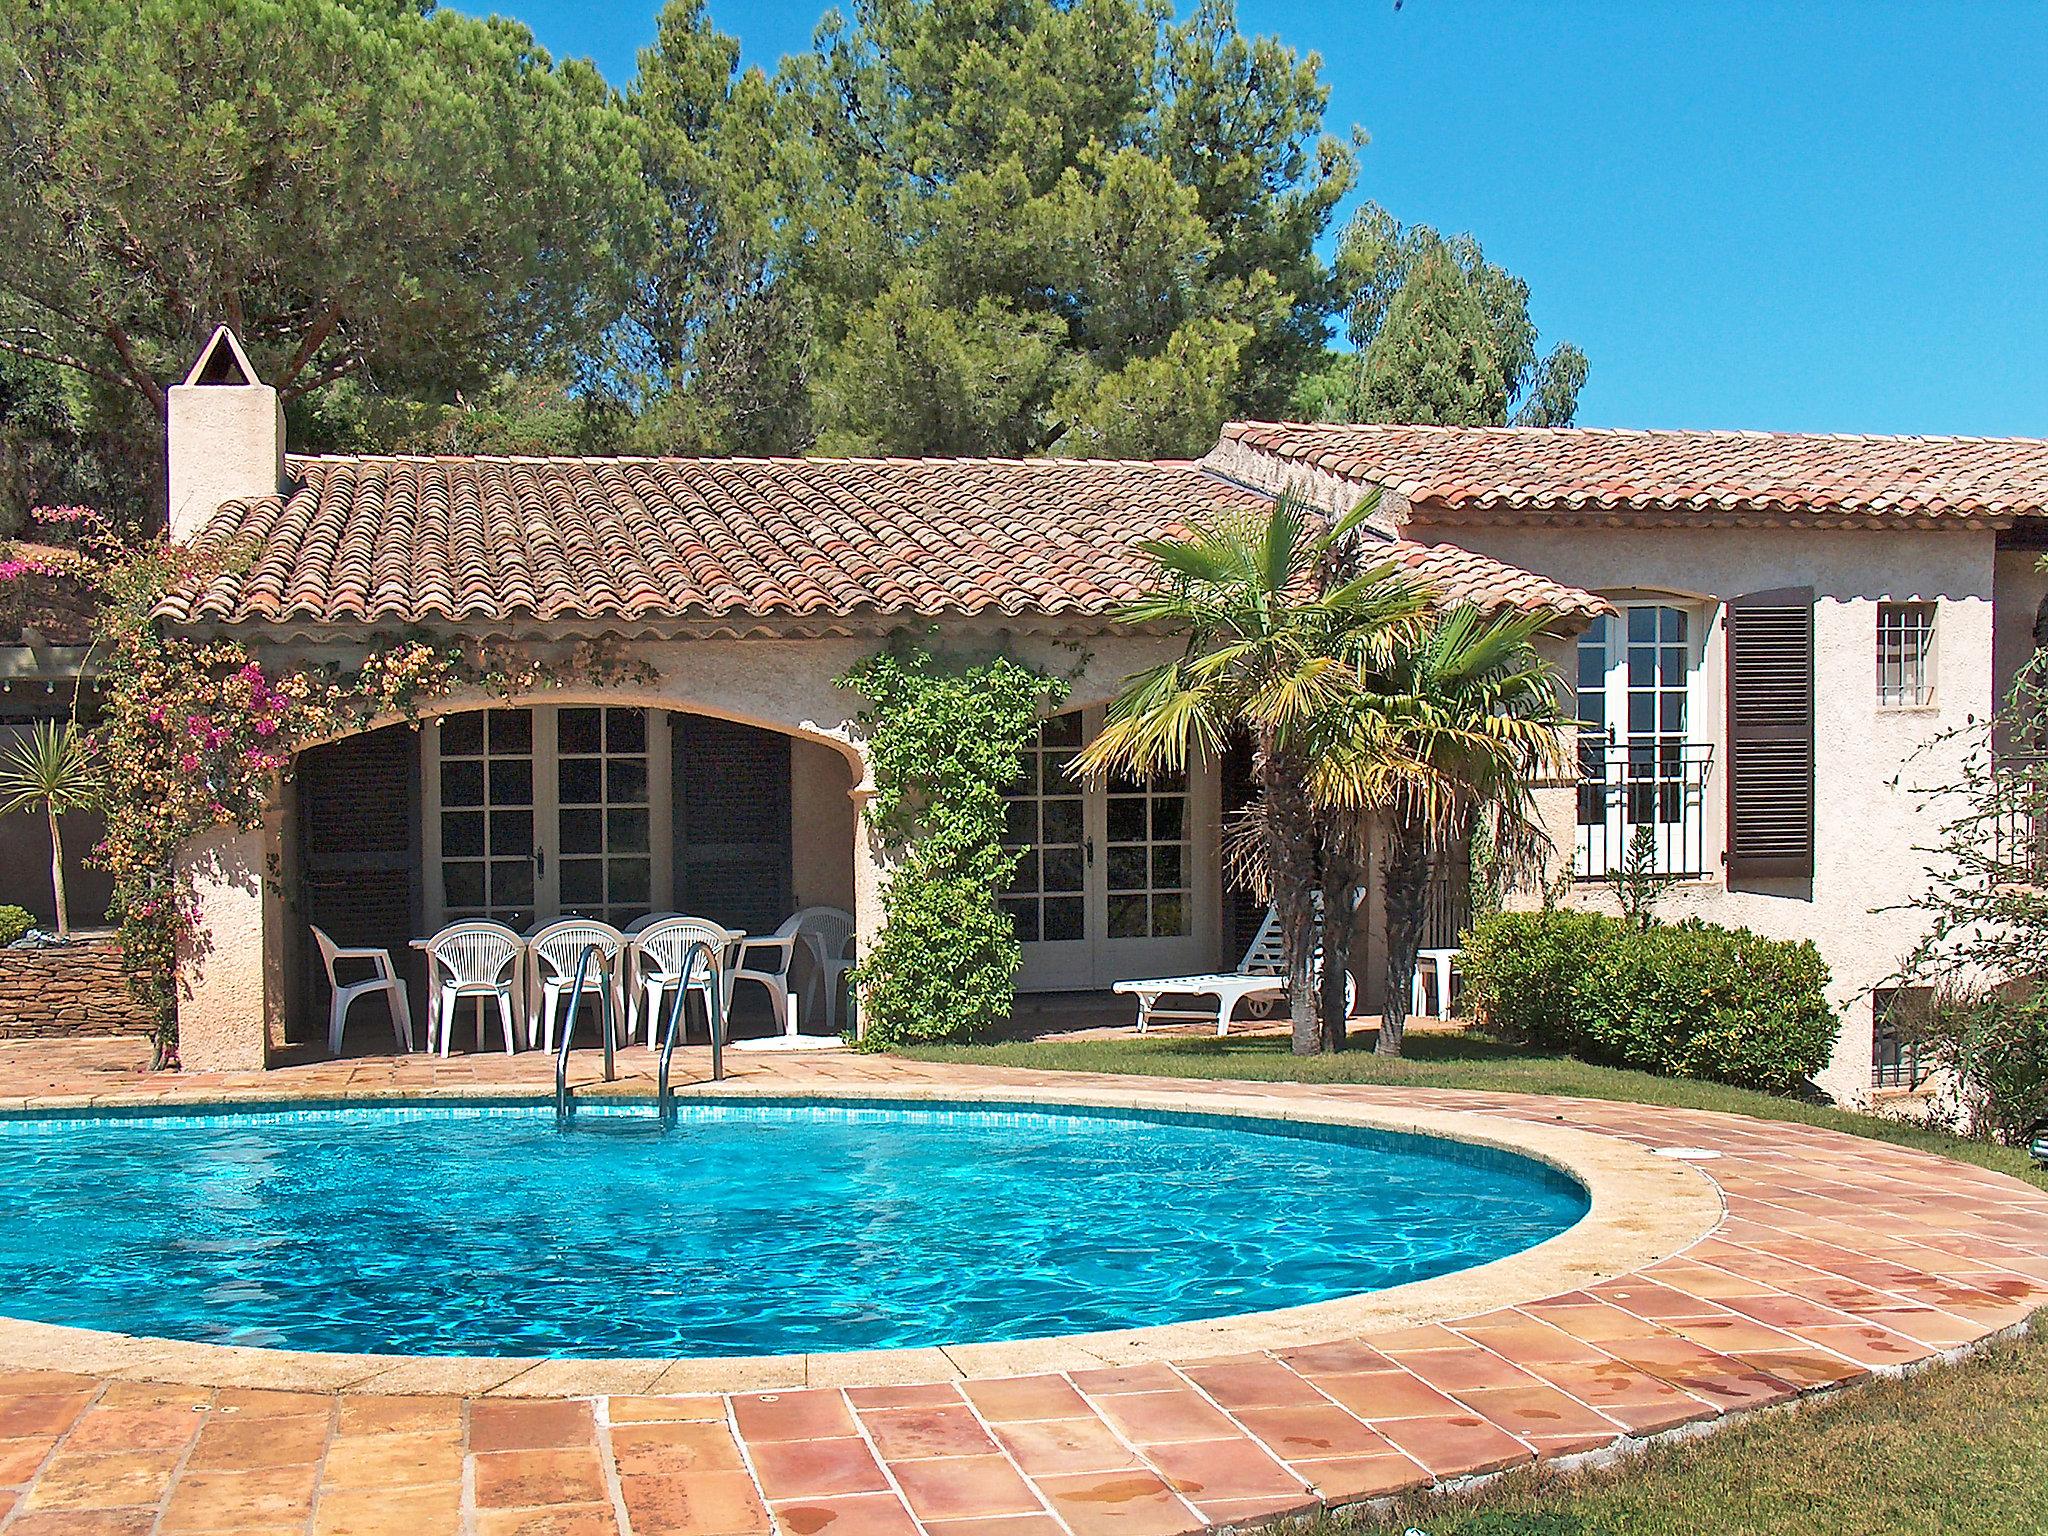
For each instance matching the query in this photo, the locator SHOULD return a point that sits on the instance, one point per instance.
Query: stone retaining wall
(75, 990)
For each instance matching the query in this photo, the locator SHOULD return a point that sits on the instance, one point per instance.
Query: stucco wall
(1867, 758)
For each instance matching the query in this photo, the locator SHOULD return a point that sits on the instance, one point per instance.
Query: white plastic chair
(554, 949)
(384, 978)
(767, 961)
(827, 933)
(659, 944)
(473, 958)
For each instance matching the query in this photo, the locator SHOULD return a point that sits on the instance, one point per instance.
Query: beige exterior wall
(1867, 758)
(2019, 586)
(235, 996)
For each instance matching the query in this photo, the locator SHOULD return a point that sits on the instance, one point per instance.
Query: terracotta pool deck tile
(1659, 1303)
(41, 1413)
(665, 1410)
(236, 1444)
(856, 1514)
(1162, 1418)
(1345, 1479)
(65, 1522)
(801, 1469)
(705, 1504)
(1343, 1357)
(1009, 1399)
(1731, 1334)
(512, 1425)
(524, 1478)
(938, 1394)
(154, 1394)
(562, 1520)
(1312, 1434)
(1250, 1382)
(998, 1525)
(259, 1402)
(1206, 1471)
(904, 1434)
(113, 1480)
(799, 1415)
(1232, 1514)
(967, 1488)
(388, 1512)
(1803, 1369)
(226, 1501)
(393, 1461)
(1718, 1379)
(675, 1448)
(1386, 1394)
(1540, 1410)
(365, 1415)
(132, 1429)
(1464, 1370)
(1457, 1447)
(1050, 1447)
(1151, 1377)
(19, 1458)
(1533, 1344)
(1869, 1344)
(1119, 1504)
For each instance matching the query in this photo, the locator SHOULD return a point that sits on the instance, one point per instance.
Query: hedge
(14, 922)
(1684, 1000)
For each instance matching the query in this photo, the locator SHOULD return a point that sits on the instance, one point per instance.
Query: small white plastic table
(1441, 963)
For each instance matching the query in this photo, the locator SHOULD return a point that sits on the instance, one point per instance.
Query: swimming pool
(756, 1227)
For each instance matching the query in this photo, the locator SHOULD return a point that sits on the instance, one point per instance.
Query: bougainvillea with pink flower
(196, 733)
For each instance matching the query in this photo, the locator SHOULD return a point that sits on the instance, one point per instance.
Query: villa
(1771, 634)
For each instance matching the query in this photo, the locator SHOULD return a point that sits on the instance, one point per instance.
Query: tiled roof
(416, 540)
(1459, 576)
(1454, 474)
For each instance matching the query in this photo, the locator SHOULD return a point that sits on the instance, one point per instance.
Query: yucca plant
(51, 770)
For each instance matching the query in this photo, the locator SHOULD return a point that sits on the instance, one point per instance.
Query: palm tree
(1281, 637)
(51, 770)
(1461, 715)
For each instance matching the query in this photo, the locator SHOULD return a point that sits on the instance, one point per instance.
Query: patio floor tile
(227, 1444)
(1208, 1470)
(1161, 1418)
(903, 1434)
(393, 1461)
(792, 1416)
(997, 1525)
(112, 1480)
(653, 1410)
(562, 1520)
(802, 1469)
(1457, 1447)
(855, 1514)
(1386, 1395)
(1118, 1504)
(675, 1448)
(388, 1512)
(964, 1488)
(529, 1426)
(1048, 1447)
(1341, 1479)
(1312, 1433)
(704, 1504)
(1003, 1399)
(227, 1501)
(399, 1415)
(521, 1479)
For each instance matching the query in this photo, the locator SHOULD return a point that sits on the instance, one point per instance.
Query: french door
(1639, 766)
(1113, 881)
(543, 812)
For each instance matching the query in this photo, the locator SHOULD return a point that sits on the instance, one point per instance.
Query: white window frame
(1906, 680)
(1681, 844)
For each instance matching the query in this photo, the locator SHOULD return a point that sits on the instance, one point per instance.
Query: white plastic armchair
(555, 949)
(383, 978)
(659, 944)
(473, 958)
(767, 961)
(827, 933)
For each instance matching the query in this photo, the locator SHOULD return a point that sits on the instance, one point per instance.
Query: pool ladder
(665, 1099)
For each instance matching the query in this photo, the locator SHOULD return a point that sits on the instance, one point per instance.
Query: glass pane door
(1045, 822)
(603, 814)
(486, 813)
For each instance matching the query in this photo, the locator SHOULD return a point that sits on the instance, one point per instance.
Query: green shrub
(1684, 1000)
(14, 922)
(1993, 1044)
(1519, 968)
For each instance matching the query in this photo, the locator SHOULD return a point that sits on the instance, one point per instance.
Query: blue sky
(1819, 217)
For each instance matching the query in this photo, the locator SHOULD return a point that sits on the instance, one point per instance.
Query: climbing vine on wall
(195, 735)
(943, 740)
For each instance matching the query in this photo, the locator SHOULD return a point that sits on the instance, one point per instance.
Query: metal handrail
(565, 1102)
(664, 1098)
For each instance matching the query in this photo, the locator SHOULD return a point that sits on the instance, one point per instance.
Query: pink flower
(195, 725)
(156, 716)
(188, 763)
(266, 727)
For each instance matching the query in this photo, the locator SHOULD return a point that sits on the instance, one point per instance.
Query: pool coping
(1643, 1208)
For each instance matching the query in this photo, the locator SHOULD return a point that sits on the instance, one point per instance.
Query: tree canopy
(1439, 335)
(949, 226)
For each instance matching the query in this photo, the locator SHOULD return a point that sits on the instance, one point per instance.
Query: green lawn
(1957, 1450)
(1445, 1060)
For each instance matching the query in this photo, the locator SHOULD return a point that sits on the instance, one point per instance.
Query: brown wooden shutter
(731, 822)
(1770, 735)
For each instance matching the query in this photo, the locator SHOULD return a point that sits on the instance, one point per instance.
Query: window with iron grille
(1905, 653)
(1897, 1016)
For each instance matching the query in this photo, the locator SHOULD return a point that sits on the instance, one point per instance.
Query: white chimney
(226, 436)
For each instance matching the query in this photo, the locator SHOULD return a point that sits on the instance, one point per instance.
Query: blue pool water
(762, 1228)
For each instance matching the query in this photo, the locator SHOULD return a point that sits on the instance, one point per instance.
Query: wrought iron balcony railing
(1660, 784)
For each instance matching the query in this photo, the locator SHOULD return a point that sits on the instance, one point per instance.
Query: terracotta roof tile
(412, 540)
(1454, 474)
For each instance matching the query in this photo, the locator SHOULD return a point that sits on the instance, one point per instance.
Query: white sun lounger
(1261, 975)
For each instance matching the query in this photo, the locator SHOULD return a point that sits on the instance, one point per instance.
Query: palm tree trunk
(1290, 827)
(1340, 885)
(1407, 895)
(57, 876)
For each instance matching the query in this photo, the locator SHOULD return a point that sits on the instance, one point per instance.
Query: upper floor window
(1639, 767)
(1905, 653)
